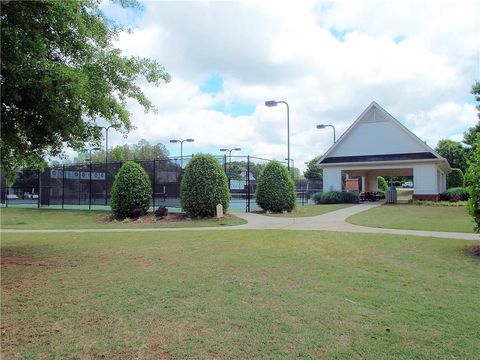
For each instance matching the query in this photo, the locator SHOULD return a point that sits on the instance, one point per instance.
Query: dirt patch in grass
(150, 218)
(10, 260)
(474, 250)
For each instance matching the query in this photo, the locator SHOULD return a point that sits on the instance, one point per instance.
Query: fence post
(153, 185)
(63, 185)
(90, 187)
(39, 188)
(247, 204)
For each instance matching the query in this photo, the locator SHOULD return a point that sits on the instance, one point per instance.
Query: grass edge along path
(25, 218)
(242, 294)
(309, 210)
(416, 217)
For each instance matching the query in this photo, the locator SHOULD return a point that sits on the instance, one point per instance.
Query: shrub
(131, 190)
(335, 197)
(275, 188)
(455, 178)
(382, 183)
(161, 212)
(204, 185)
(136, 213)
(454, 194)
(472, 181)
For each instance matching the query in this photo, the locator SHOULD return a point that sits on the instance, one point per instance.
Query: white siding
(425, 179)
(332, 179)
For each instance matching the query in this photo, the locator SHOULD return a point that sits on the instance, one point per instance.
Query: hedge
(275, 188)
(335, 197)
(454, 194)
(204, 185)
(131, 190)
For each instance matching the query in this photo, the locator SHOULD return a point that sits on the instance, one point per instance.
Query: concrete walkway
(332, 221)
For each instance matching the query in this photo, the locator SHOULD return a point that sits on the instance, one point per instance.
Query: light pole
(106, 158)
(181, 148)
(323, 126)
(90, 176)
(230, 157)
(293, 168)
(272, 103)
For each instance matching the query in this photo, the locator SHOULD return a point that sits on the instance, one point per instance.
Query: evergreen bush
(382, 183)
(454, 194)
(335, 197)
(472, 181)
(131, 190)
(275, 188)
(455, 178)
(204, 185)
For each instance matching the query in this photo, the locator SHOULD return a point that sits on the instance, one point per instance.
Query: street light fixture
(323, 126)
(181, 148)
(272, 103)
(230, 156)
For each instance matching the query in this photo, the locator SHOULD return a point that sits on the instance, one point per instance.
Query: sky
(327, 59)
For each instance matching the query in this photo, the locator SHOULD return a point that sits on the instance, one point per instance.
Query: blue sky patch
(234, 109)
(213, 84)
(339, 34)
(399, 38)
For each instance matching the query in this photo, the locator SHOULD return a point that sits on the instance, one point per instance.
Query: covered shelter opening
(377, 144)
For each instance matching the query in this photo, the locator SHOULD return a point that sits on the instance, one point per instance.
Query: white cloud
(286, 51)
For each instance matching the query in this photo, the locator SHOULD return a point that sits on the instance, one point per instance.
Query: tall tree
(470, 135)
(59, 73)
(454, 152)
(142, 150)
(313, 172)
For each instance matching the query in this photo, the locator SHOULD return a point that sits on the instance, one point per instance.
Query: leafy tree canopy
(454, 152)
(59, 73)
(142, 150)
(470, 135)
(313, 172)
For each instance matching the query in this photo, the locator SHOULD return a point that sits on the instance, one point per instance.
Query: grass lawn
(311, 210)
(416, 217)
(21, 218)
(238, 295)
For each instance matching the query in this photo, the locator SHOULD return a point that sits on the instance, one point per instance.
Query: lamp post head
(271, 103)
(223, 149)
(322, 126)
(190, 140)
(95, 148)
(173, 141)
(237, 149)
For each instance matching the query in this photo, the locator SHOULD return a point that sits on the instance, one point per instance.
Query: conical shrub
(131, 190)
(275, 188)
(204, 185)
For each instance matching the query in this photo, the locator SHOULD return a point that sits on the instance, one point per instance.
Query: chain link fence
(88, 186)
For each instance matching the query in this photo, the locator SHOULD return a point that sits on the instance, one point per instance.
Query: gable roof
(377, 136)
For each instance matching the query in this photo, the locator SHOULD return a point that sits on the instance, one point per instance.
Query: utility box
(391, 195)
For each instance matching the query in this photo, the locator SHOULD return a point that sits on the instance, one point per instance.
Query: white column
(332, 179)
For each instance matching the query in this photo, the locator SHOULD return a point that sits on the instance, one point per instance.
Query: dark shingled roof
(382, 157)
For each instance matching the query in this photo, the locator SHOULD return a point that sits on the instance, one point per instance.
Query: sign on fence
(77, 175)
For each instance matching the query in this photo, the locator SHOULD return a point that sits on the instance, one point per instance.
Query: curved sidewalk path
(332, 221)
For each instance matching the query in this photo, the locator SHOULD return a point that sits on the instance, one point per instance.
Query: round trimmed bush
(204, 185)
(275, 188)
(335, 197)
(382, 183)
(455, 178)
(131, 190)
